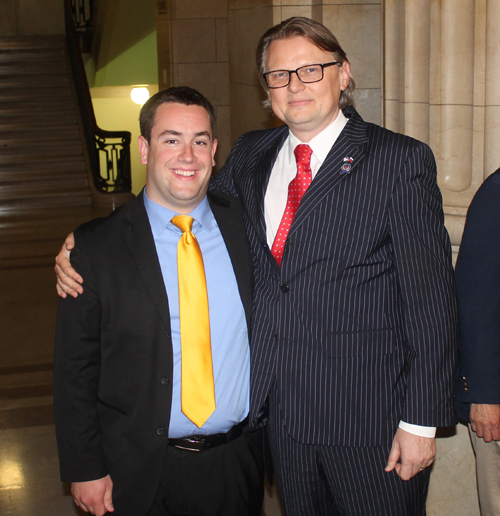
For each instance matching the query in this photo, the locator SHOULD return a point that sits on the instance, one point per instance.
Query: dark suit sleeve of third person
(478, 283)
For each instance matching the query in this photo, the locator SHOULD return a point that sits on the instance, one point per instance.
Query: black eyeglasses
(306, 74)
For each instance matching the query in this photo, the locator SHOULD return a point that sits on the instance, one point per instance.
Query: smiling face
(307, 109)
(179, 157)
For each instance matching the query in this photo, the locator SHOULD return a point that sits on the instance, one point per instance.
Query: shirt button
(164, 381)
(285, 288)
(160, 431)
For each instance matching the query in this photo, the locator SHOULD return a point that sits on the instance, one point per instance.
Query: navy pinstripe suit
(357, 329)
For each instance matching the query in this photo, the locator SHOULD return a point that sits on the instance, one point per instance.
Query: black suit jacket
(358, 328)
(478, 282)
(113, 354)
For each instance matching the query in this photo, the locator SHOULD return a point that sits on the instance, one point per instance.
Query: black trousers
(224, 481)
(340, 481)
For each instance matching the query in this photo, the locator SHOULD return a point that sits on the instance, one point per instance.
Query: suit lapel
(261, 173)
(140, 241)
(350, 144)
(228, 214)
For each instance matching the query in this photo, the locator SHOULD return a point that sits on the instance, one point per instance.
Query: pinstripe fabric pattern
(341, 481)
(358, 327)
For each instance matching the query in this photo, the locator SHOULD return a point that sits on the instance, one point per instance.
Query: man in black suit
(125, 439)
(478, 385)
(355, 316)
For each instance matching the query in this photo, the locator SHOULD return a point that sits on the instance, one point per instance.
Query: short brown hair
(313, 31)
(175, 95)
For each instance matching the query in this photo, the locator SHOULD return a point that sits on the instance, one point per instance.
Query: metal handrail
(109, 151)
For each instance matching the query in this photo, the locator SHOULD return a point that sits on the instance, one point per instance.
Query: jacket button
(160, 431)
(285, 288)
(466, 389)
(164, 381)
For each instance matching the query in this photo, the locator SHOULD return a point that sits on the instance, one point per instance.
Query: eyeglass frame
(323, 66)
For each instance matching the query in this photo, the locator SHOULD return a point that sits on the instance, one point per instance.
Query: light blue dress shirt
(228, 328)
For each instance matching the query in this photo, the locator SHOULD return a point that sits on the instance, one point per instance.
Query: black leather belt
(198, 443)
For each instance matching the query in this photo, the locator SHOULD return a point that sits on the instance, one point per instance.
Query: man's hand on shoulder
(416, 454)
(95, 496)
(68, 280)
(485, 421)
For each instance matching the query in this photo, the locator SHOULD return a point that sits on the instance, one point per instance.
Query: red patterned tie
(296, 189)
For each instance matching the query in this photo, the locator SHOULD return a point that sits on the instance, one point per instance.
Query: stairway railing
(109, 151)
(82, 17)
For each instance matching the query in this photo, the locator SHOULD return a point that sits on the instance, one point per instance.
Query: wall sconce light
(139, 95)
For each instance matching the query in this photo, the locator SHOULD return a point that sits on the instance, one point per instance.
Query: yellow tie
(197, 387)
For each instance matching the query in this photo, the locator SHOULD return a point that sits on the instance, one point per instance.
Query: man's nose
(187, 154)
(295, 83)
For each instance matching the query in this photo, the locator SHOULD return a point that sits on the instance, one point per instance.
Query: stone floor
(29, 470)
(29, 476)
(29, 482)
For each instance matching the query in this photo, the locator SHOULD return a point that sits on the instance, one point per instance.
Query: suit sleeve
(425, 274)
(223, 181)
(76, 378)
(478, 283)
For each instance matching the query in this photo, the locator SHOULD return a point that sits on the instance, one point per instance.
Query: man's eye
(170, 142)
(200, 143)
(279, 75)
(311, 69)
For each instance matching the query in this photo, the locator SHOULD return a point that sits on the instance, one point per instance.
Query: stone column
(456, 92)
(434, 54)
(492, 89)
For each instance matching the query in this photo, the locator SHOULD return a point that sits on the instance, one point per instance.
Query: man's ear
(345, 74)
(214, 149)
(143, 149)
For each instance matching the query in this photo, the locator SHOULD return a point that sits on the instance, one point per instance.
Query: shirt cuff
(422, 431)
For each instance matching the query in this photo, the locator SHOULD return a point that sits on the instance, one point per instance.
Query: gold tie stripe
(197, 382)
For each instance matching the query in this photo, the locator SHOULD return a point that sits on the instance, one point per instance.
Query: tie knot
(303, 153)
(183, 222)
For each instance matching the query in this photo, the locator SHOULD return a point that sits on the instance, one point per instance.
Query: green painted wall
(136, 65)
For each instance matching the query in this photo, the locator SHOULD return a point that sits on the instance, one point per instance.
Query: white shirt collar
(322, 142)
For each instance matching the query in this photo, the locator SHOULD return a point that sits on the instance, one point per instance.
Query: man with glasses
(354, 322)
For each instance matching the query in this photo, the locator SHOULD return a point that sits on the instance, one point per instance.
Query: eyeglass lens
(310, 73)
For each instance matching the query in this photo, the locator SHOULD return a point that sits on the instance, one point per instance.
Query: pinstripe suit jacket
(358, 328)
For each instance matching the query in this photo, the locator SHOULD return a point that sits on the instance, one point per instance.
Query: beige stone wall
(31, 17)
(357, 26)
(248, 20)
(193, 51)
